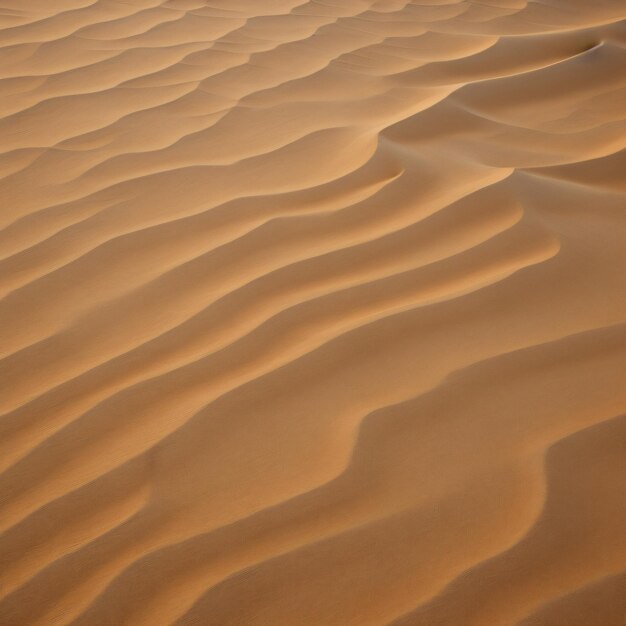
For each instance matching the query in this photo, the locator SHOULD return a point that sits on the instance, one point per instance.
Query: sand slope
(313, 312)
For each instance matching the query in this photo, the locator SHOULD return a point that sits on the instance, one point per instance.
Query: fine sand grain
(313, 312)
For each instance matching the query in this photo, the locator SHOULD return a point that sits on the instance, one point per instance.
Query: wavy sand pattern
(313, 312)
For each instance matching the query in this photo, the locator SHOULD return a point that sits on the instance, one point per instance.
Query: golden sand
(313, 312)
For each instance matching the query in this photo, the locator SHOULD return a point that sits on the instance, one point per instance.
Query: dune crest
(312, 312)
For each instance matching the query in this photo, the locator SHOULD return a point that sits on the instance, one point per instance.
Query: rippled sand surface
(313, 312)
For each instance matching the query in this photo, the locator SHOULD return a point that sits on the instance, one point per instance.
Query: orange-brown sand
(313, 312)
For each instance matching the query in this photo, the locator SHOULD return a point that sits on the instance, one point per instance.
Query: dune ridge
(312, 312)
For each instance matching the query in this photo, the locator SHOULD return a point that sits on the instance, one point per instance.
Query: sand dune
(313, 312)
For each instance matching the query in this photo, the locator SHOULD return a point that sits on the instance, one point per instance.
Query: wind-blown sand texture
(313, 312)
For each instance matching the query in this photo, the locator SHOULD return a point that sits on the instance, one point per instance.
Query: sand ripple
(313, 312)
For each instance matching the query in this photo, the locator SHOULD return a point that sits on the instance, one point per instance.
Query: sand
(313, 312)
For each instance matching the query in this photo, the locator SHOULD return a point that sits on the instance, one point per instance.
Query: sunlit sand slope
(313, 312)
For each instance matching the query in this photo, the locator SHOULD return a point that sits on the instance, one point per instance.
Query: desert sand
(313, 312)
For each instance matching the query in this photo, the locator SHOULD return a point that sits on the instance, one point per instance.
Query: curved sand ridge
(313, 312)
